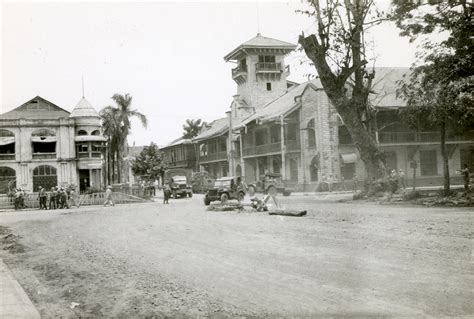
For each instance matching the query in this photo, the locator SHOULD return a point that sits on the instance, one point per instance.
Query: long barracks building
(275, 125)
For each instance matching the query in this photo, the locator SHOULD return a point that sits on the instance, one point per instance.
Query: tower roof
(84, 109)
(260, 42)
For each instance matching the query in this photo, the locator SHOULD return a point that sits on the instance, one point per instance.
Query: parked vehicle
(224, 189)
(271, 184)
(179, 187)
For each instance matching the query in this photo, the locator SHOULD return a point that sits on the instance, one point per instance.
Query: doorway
(84, 180)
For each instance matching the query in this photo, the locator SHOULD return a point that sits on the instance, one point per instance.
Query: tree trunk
(366, 145)
(444, 154)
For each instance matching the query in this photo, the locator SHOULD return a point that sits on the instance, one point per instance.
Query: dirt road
(357, 259)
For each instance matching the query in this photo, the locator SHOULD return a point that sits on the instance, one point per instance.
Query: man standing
(42, 198)
(465, 175)
(108, 197)
(401, 178)
(52, 198)
(72, 198)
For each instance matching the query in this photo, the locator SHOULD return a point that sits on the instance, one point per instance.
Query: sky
(167, 55)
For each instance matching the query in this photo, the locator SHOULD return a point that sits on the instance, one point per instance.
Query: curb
(14, 302)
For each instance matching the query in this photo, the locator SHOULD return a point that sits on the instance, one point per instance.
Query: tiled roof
(84, 109)
(260, 41)
(37, 108)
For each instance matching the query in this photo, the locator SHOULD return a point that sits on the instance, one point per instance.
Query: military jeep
(224, 189)
(271, 184)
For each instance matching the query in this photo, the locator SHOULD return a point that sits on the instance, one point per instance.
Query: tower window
(266, 58)
(269, 86)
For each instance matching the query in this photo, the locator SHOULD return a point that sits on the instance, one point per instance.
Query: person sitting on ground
(108, 196)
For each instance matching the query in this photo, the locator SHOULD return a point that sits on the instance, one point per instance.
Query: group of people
(57, 198)
(19, 195)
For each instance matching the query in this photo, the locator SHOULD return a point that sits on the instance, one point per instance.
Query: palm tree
(117, 125)
(192, 128)
(111, 130)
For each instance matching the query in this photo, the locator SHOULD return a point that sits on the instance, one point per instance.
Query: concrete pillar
(283, 151)
(242, 160)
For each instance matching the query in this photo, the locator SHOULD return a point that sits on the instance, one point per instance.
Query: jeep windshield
(222, 184)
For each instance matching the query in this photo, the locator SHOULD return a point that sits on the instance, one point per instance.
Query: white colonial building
(42, 144)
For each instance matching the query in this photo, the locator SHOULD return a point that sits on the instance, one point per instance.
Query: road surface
(342, 259)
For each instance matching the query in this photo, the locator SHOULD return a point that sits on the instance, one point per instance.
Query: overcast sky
(167, 55)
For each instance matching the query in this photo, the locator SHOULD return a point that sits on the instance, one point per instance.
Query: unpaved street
(353, 259)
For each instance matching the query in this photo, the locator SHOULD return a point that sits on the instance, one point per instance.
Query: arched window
(43, 132)
(81, 132)
(7, 179)
(311, 134)
(6, 133)
(96, 132)
(44, 176)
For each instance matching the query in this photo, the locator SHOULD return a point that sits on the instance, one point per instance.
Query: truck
(179, 181)
(179, 187)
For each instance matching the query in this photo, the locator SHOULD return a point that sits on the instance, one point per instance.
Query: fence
(31, 200)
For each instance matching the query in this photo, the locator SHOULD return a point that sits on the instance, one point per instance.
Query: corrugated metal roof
(84, 109)
(384, 87)
(282, 105)
(260, 41)
(217, 127)
(177, 141)
(37, 108)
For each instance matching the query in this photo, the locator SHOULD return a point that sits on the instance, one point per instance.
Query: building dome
(84, 109)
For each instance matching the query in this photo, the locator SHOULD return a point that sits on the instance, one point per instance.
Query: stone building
(42, 144)
(275, 125)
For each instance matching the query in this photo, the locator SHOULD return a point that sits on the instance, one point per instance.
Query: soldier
(166, 194)
(465, 175)
(42, 198)
(52, 198)
(401, 176)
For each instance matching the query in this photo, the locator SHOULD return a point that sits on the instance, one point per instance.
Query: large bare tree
(337, 51)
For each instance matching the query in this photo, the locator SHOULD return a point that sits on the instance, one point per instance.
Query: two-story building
(180, 155)
(42, 144)
(275, 125)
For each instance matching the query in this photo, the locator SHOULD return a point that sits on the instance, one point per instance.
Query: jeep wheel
(207, 202)
(224, 198)
(272, 191)
(190, 195)
(241, 196)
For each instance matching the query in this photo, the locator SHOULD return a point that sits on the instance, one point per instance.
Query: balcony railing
(268, 67)
(219, 156)
(421, 137)
(89, 155)
(238, 70)
(7, 157)
(44, 155)
(182, 163)
(270, 148)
